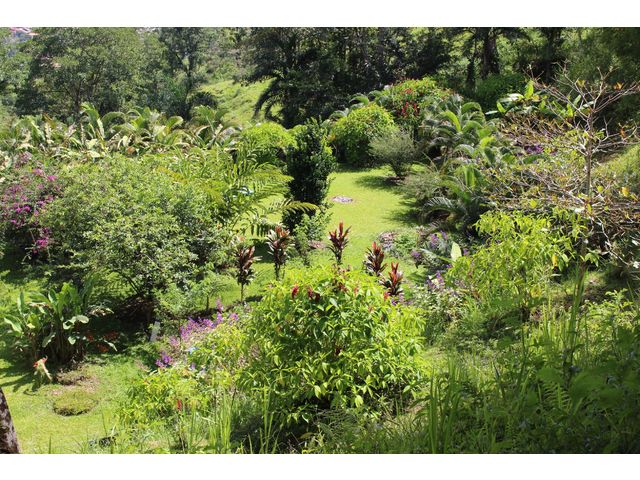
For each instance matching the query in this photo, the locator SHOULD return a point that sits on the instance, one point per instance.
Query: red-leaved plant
(244, 258)
(393, 283)
(278, 241)
(339, 240)
(374, 260)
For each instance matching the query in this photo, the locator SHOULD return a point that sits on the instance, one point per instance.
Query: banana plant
(51, 324)
(210, 127)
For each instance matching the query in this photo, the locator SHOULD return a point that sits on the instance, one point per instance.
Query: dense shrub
(331, 339)
(268, 141)
(309, 163)
(352, 134)
(497, 86)
(129, 218)
(510, 276)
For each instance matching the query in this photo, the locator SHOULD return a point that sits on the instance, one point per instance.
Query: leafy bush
(268, 141)
(309, 164)
(331, 340)
(397, 149)
(352, 134)
(131, 219)
(511, 274)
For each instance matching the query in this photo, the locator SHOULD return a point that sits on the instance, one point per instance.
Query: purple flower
(164, 361)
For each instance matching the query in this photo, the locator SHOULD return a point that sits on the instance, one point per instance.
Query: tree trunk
(8, 438)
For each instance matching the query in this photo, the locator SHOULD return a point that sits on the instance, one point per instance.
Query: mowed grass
(377, 206)
(39, 428)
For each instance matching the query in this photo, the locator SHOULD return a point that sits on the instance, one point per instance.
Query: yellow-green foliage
(239, 99)
(352, 134)
(623, 169)
(267, 141)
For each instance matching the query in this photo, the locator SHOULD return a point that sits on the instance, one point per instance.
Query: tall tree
(186, 49)
(70, 66)
(480, 46)
(313, 71)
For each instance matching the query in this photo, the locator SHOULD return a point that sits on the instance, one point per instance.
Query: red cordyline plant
(278, 241)
(374, 260)
(339, 241)
(393, 283)
(244, 258)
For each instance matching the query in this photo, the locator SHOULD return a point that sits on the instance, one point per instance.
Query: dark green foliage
(497, 86)
(314, 71)
(70, 66)
(309, 163)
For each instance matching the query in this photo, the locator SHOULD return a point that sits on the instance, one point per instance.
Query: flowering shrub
(21, 204)
(331, 339)
(406, 100)
(194, 367)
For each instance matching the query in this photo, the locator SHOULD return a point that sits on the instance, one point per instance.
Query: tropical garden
(320, 240)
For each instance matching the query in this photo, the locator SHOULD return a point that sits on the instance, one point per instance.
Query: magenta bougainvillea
(21, 204)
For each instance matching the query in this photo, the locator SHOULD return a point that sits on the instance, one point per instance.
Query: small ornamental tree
(309, 163)
(339, 240)
(244, 258)
(278, 241)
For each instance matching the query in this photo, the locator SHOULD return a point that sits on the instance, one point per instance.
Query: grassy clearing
(239, 100)
(103, 381)
(378, 206)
